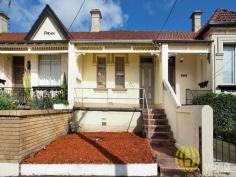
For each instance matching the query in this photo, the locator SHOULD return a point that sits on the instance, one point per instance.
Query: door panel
(147, 80)
(18, 70)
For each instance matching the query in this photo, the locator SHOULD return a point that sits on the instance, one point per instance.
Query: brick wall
(25, 132)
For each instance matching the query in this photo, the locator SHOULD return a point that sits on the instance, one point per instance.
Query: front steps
(161, 139)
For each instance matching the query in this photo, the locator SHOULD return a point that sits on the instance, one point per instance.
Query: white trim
(9, 169)
(171, 92)
(35, 52)
(117, 51)
(189, 51)
(90, 169)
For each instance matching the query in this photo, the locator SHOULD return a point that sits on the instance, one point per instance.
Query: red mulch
(95, 148)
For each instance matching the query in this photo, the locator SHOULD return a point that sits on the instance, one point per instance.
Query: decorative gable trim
(47, 12)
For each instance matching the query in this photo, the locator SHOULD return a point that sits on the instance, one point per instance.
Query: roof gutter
(139, 41)
(114, 41)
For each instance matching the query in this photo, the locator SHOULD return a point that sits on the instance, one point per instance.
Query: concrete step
(156, 128)
(161, 135)
(168, 142)
(156, 111)
(167, 165)
(155, 121)
(157, 116)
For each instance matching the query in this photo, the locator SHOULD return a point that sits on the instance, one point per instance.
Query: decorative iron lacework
(141, 47)
(89, 47)
(42, 48)
(34, 48)
(13, 48)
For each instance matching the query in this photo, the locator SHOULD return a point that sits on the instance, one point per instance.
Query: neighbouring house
(112, 75)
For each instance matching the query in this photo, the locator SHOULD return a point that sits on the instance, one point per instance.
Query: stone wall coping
(26, 113)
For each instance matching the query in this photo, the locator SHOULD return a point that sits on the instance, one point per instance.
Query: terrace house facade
(114, 76)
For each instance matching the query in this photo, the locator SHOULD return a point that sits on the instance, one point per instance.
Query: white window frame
(116, 72)
(233, 65)
(50, 59)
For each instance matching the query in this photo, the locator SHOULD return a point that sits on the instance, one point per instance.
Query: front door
(147, 78)
(18, 70)
(171, 71)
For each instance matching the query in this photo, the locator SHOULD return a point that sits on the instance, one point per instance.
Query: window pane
(49, 70)
(55, 71)
(228, 66)
(101, 72)
(120, 72)
(44, 71)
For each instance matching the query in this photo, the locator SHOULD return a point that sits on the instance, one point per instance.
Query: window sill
(100, 89)
(119, 89)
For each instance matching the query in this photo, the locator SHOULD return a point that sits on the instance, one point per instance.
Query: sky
(117, 14)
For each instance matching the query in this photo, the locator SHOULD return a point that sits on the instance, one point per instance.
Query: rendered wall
(192, 70)
(108, 121)
(185, 122)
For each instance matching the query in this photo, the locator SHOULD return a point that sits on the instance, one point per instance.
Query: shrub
(7, 102)
(59, 100)
(27, 85)
(61, 97)
(224, 109)
(42, 103)
(64, 87)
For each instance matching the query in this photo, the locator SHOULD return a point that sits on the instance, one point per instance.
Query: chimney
(3, 22)
(96, 18)
(196, 20)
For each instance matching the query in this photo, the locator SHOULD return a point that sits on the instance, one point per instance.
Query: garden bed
(98, 148)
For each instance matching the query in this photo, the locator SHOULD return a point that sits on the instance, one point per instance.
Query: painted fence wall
(25, 132)
(197, 121)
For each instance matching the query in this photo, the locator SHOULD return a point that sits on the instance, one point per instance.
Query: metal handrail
(147, 105)
(81, 95)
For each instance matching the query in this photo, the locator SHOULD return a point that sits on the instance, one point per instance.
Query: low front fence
(24, 96)
(225, 138)
(23, 133)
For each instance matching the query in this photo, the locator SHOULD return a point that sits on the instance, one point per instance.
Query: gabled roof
(220, 18)
(48, 12)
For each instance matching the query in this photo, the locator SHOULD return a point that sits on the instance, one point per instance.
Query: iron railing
(127, 96)
(25, 95)
(225, 138)
(191, 94)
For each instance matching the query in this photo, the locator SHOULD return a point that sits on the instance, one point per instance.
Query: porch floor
(119, 148)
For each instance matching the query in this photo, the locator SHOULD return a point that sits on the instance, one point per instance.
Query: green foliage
(61, 97)
(224, 108)
(7, 102)
(42, 103)
(59, 100)
(27, 85)
(64, 87)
